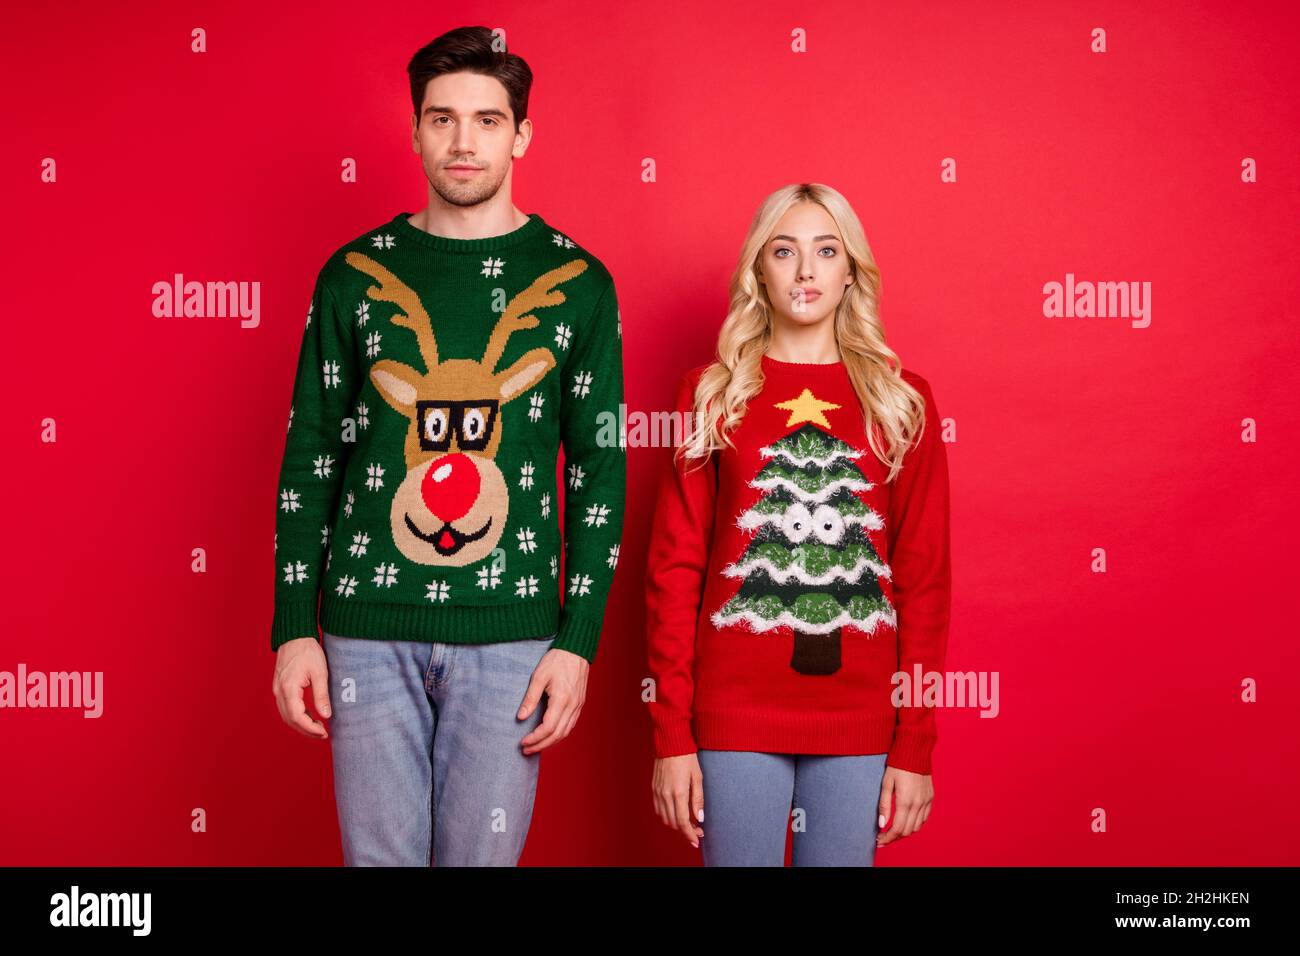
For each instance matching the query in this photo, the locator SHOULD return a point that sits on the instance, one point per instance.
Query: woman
(798, 561)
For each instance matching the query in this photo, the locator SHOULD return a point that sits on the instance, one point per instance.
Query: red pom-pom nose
(450, 487)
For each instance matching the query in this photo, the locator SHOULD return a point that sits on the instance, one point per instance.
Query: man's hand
(300, 664)
(678, 790)
(913, 793)
(562, 675)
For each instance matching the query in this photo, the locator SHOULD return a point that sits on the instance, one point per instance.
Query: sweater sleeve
(595, 474)
(676, 564)
(922, 579)
(311, 472)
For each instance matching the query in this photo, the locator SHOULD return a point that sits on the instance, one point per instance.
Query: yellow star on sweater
(805, 408)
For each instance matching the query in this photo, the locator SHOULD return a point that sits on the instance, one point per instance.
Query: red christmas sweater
(787, 582)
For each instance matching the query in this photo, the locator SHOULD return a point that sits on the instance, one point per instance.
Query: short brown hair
(470, 50)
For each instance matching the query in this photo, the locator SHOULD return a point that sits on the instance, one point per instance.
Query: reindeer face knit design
(788, 581)
(436, 382)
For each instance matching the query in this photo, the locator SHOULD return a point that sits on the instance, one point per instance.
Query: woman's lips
(807, 296)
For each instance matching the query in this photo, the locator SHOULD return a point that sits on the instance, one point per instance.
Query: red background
(1119, 691)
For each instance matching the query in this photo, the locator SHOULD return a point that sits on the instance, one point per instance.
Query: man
(446, 356)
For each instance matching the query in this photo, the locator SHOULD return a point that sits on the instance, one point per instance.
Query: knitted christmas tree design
(810, 565)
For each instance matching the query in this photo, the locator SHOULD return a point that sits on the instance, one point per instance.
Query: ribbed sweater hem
(767, 732)
(451, 624)
(794, 733)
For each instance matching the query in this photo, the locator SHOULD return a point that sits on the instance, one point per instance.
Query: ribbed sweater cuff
(577, 634)
(911, 751)
(673, 736)
(292, 621)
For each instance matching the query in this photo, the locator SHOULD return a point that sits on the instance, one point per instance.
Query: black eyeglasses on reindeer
(472, 421)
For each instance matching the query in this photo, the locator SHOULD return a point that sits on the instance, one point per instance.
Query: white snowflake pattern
(562, 335)
(526, 587)
(489, 577)
(363, 415)
(438, 591)
(526, 475)
(618, 315)
(492, 266)
(289, 500)
(358, 546)
(596, 515)
(612, 560)
(576, 475)
(294, 572)
(535, 402)
(363, 313)
(527, 544)
(555, 566)
(579, 584)
(384, 241)
(329, 556)
(347, 506)
(324, 536)
(582, 384)
(322, 465)
(331, 372)
(309, 308)
(564, 242)
(546, 505)
(290, 418)
(372, 345)
(347, 586)
(385, 575)
(374, 477)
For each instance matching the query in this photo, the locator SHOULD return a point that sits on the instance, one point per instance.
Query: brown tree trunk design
(816, 653)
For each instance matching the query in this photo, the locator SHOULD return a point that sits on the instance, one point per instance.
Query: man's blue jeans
(752, 798)
(428, 768)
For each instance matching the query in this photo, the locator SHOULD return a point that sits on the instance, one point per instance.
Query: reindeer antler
(394, 290)
(539, 295)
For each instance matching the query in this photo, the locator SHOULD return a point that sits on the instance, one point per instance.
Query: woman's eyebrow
(815, 238)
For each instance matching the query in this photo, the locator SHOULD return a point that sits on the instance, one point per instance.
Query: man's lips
(464, 170)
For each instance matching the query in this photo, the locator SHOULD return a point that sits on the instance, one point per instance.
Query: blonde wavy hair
(736, 374)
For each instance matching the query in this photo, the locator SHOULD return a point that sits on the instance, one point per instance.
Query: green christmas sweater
(436, 382)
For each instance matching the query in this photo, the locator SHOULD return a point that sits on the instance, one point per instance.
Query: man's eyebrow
(815, 238)
(448, 109)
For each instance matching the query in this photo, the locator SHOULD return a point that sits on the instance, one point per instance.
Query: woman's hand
(678, 788)
(912, 793)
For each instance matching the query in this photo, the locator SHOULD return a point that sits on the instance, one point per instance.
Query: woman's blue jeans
(428, 768)
(750, 798)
